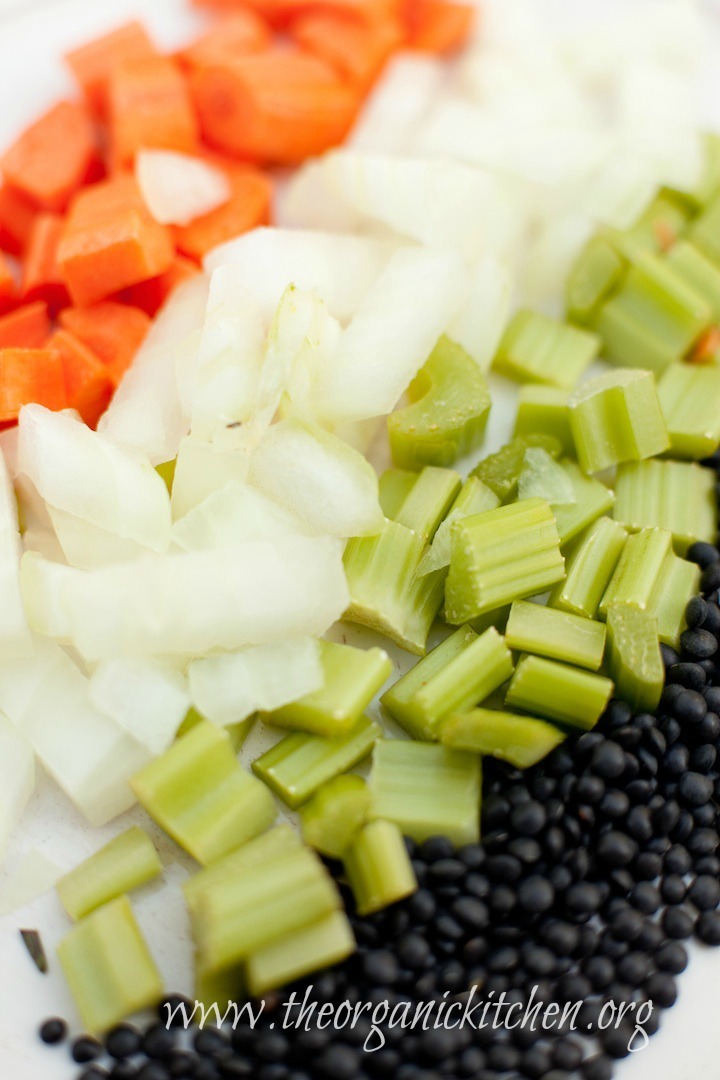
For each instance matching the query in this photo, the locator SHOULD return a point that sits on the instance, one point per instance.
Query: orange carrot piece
(235, 35)
(438, 26)
(248, 207)
(357, 48)
(92, 64)
(707, 349)
(28, 375)
(277, 107)
(282, 12)
(41, 279)
(8, 288)
(112, 331)
(16, 217)
(53, 157)
(150, 295)
(26, 327)
(88, 386)
(149, 106)
(110, 241)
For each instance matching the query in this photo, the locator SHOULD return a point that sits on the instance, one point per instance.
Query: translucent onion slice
(15, 637)
(203, 468)
(178, 188)
(232, 515)
(34, 876)
(17, 778)
(147, 698)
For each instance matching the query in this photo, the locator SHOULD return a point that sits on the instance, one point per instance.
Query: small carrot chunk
(88, 386)
(149, 106)
(110, 241)
(281, 12)
(30, 375)
(235, 35)
(357, 48)
(112, 331)
(8, 288)
(150, 295)
(91, 64)
(277, 107)
(248, 207)
(707, 349)
(438, 26)
(53, 157)
(26, 327)
(16, 217)
(41, 278)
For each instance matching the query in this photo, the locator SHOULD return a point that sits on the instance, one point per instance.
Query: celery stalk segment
(522, 741)
(689, 396)
(635, 660)
(598, 269)
(378, 867)
(544, 409)
(677, 581)
(536, 348)
(675, 495)
(700, 273)
(592, 500)
(558, 692)
(501, 471)
(589, 566)
(125, 863)
(427, 500)
(558, 635)
(311, 948)
(473, 498)
(634, 578)
(335, 814)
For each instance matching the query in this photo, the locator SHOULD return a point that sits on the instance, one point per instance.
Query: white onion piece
(42, 583)
(549, 259)
(319, 478)
(398, 104)
(17, 778)
(15, 637)
(229, 687)
(86, 546)
(178, 188)
(479, 324)
(233, 515)
(202, 468)
(147, 698)
(8, 448)
(34, 876)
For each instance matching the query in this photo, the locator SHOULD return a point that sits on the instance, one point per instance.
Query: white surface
(32, 38)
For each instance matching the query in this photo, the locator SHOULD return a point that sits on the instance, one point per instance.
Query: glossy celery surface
(123, 864)
(675, 495)
(589, 567)
(447, 414)
(701, 273)
(634, 657)
(501, 471)
(617, 417)
(423, 503)
(463, 671)
(545, 631)
(538, 349)
(592, 500)
(545, 478)
(544, 410)
(378, 867)
(202, 797)
(558, 692)
(705, 229)
(655, 230)
(634, 578)
(333, 817)
(676, 583)
(299, 764)
(474, 497)
(598, 269)
(522, 741)
(689, 396)
(219, 987)
(312, 948)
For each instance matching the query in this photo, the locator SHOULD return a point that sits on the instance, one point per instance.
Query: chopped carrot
(16, 217)
(88, 386)
(111, 241)
(41, 278)
(357, 48)
(235, 35)
(92, 64)
(707, 349)
(30, 375)
(282, 12)
(53, 157)
(150, 295)
(438, 26)
(113, 331)
(149, 106)
(277, 107)
(248, 207)
(26, 327)
(8, 288)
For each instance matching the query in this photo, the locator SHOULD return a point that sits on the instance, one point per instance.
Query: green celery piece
(394, 486)
(219, 987)
(427, 790)
(675, 495)
(598, 269)
(500, 556)
(654, 319)
(447, 414)
(328, 941)
(238, 732)
(689, 395)
(634, 578)
(125, 863)
(592, 500)
(700, 273)
(473, 498)
(655, 230)
(558, 635)
(544, 409)
(335, 814)
(497, 619)
(676, 583)
(501, 471)
(634, 657)
(299, 764)
(464, 670)
(559, 692)
(617, 417)
(428, 501)
(522, 741)
(378, 867)
(545, 478)
(108, 966)
(538, 349)
(166, 471)
(244, 913)
(709, 181)
(386, 592)
(589, 568)
(704, 231)
(352, 677)
(202, 797)
(192, 719)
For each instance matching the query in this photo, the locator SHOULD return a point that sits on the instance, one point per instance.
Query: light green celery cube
(538, 349)
(589, 568)
(332, 818)
(690, 399)
(522, 741)
(634, 579)
(592, 500)
(544, 631)
(675, 495)
(378, 867)
(617, 417)
(676, 583)
(598, 270)
(125, 863)
(501, 471)
(312, 948)
(558, 692)
(701, 273)
(705, 229)
(544, 409)
(634, 657)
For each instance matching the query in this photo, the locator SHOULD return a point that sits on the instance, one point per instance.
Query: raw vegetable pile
(180, 573)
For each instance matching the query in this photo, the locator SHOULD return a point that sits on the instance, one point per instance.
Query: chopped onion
(17, 778)
(147, 698)
(178, 188)
(398, 104)
(15, 637)
(34, 876)
(202, 468)
(479, 324)
(86, 546)
(42, 583)
(232, 515)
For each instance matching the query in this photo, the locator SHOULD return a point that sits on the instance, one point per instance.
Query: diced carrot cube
(26, 327)
(16, 217)
(30, 375)
(438, 26)
(92, 64)
(8, 288)
(88, 386)
(41, 278)
(112, 331)
(248, 207)
(149, 106)
(150, 295)
(357, 48)
(233, 36)
(282, 12)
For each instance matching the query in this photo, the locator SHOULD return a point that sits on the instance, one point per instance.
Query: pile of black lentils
(595, 868)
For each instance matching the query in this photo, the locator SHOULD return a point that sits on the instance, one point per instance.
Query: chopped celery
(312, 948)
(427, 500)
(219, 987)
(709, 181)
(501, 471)
(394, 486)
(238, 732)
(617, 417)
(522, 741)
(473, 498)
(125, 863)
(705, 229)
(597, 270)
(536, 348)
(497, 618)
(655, 230)
(335, 814)
(634, 577)
(386, 592)
(464, 670)
(677, 581)
(192, 719)
(427, 790)
(447, 414)
(589, 568)
(544, 409)
(299, 764)
(674, 495)
(544, 631)
(108, 966)
(544, 478)
(559, 692)
(689, 395)
(202, 797)
(592, 500)
(501, 556)
(699, 272)
(352, 678)
(378, 867)
(634, 656)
